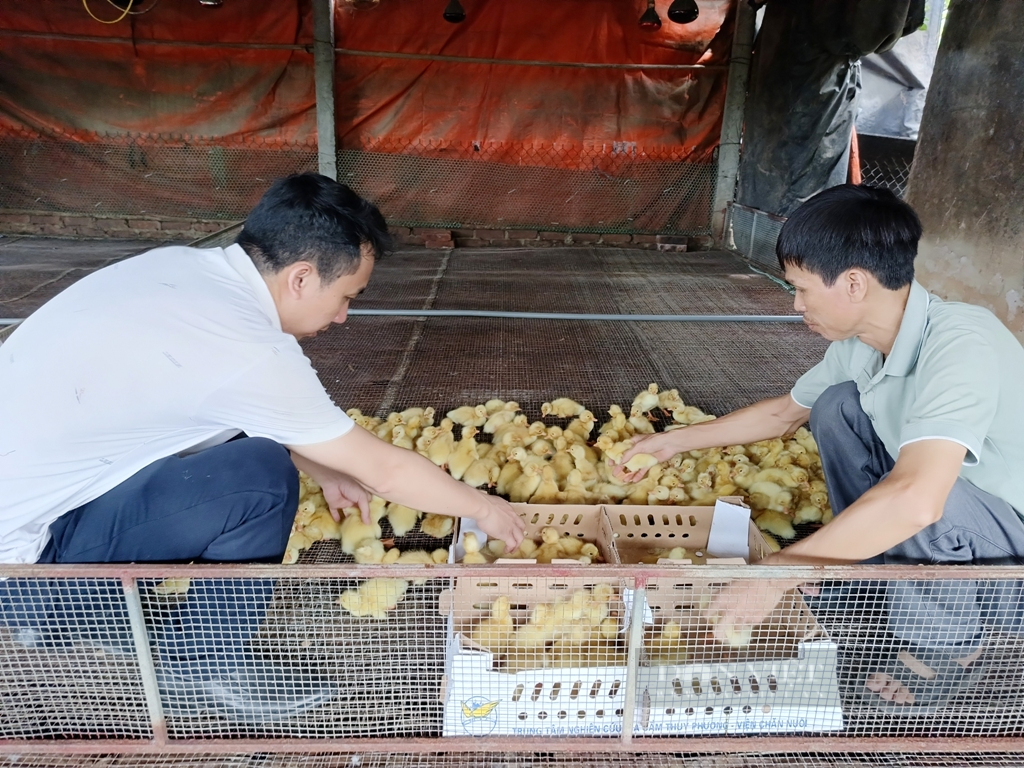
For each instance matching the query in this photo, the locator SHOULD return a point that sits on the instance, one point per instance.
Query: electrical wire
(85, 4)
(152, 5)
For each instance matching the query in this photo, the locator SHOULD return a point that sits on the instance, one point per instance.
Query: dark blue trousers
(231, 503)
(976, 528)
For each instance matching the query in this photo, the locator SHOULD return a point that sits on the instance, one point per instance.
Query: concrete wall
(967, 182)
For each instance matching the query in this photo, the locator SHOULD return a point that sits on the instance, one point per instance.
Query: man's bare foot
(892, 690)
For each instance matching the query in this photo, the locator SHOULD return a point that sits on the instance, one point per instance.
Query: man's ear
(299, 277)
(856, 284)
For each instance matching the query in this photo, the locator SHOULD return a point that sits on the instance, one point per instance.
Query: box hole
(562, 715)
(517, 694)
(575, 692)
(690, 711)
(537, 689)
(693, 521)
(576, 521)
(542, 715)
(555, 690)
(679, 521)
(595, 688)
(614, 689)
(686, 535)
(736, 687)
(657, 535)
(491, 584)
(747, 709)
(623, 520)
(618, 713)
(535, 519)
(600, 713)
(650, 519)
(636, 520)
(709, 710)
(677, 687)
(767, 709)
(670, 711)
(558, 586)
(773, 683)
(643, 535)
(665, 521)
(695, 685)
(522, 585)
(522, 715)
(481, 606)
(716, 686)
(581, 714)
(727, 711)
(754, 686)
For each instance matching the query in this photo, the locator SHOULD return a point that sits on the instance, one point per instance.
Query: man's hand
(342, 491)
(660, 445)
(500, 521)
(743, 604)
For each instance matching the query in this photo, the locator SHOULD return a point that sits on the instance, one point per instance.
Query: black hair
(310, 217)
(852, 226)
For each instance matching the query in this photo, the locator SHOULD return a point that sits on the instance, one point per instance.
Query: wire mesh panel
(611, 187)
(69, 665)
(754, 234)
(173, 176)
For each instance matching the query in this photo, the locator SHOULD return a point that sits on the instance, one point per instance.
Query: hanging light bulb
(683, 11)
(650, 20)
(454, 12)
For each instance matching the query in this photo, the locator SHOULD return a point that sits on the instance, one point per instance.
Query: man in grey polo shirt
(917, 412)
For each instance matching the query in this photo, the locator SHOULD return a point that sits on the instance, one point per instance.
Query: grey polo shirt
(955, 373)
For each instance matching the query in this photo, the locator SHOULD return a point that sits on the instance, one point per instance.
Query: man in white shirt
(120, 400)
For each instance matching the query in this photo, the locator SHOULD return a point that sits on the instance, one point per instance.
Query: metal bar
(200, 242)
(503, 571)
(636, 639)
(145, 657)
(732, 117)
(323, 73)
(580, 316)
(815, 744)
(522, 63)
(138, 41)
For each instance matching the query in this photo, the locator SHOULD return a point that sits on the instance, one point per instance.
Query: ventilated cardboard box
(782, 681)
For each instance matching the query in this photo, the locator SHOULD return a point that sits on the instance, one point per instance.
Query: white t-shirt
(163, 353)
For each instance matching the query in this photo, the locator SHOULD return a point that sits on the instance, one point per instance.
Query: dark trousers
(976, 528)
(231, 503)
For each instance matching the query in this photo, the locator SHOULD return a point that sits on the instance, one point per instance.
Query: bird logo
(479, 716)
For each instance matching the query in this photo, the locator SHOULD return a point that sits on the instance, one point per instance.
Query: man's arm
(404, 476)
(761, 421)
(906, 502)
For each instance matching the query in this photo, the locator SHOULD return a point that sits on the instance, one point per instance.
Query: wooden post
(323, 74)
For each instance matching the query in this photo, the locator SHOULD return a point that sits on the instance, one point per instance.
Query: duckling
(668, 646)
(495, 405)
(669, 400)
(547, 491)
(609, 493)
(424, 441)
(618, 424)
(483, 471)
(678, 497)
(582, 425)
(374, 597)
(353, 531)
(497, 419)
(575, 492)
(647, 400)
(469, 415)
(807, 513)
(588, 471)
(554, 432)
(401, 439)
(443, 444)
(549, 549)
(804, 437)
(495, 632)
(641, 461)
(690, 414)
(524, 486)
(539, 630)
(369, 551)
(638, 491)
(570, 546)
(524, 457)
(473, 555)
(297, 542)
(562, 461)
(589, 549)
(511, 470)
(562, 407)
(659, 495)
(464, 453)
(418, 417)
(437, 526)
(542, 447)
(384, 430)
(322, 525)
(640, 423)
(439, 556)
(391, 556)
(775, 523)
(402, 518)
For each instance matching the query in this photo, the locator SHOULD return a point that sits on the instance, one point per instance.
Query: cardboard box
(783, 681)
(565, 701)
(585, 522)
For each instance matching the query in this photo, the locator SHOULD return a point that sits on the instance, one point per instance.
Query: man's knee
(266, 466)
(828, 408)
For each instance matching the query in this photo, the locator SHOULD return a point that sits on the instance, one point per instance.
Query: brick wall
(89, 226)
(499, 238)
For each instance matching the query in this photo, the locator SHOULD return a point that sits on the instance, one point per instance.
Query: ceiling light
(649, 21)
(454, 12)
(683, 11)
